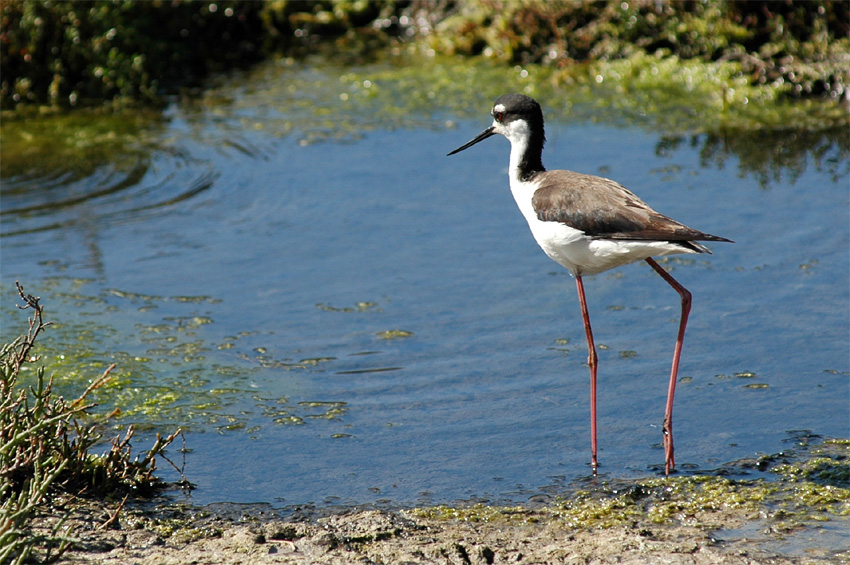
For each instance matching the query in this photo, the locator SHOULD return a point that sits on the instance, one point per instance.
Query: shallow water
(337, 313)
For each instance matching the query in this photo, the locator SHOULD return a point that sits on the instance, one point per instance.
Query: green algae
(830, 465)
(326, 410)
(320, 101)
(394, 334)
(814, 486)
(478, 513)
(166, 373)
(656, 91)
(79, 142)
(362, 306)
(46, 448)
(659, 501)
(679, 92)
(317, 101)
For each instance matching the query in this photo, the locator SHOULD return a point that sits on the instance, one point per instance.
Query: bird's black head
(510, 107)
(516, 116)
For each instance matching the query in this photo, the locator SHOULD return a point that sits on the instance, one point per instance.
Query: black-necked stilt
(589, 224)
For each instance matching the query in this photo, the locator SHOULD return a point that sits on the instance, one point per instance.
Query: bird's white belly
(578, 253)
(582, 255)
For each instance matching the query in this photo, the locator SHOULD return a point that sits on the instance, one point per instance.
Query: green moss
(813, 487)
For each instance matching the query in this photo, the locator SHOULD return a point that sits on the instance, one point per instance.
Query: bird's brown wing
(602, 208)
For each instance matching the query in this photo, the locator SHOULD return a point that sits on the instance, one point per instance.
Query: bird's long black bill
(481, 137)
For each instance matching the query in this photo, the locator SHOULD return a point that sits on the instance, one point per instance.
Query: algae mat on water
(317, 101)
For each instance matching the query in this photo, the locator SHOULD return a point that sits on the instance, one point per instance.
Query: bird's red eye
(499, 116)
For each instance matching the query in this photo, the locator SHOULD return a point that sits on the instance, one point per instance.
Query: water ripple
(59, 199)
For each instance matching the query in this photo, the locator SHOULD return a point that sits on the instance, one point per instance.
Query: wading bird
(589, 224)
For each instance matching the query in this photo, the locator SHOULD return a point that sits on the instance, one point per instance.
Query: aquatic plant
(45, 444)
(802, 48)
(66, 53)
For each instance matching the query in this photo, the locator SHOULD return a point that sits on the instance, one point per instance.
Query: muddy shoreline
(801, 516)
(377, 536)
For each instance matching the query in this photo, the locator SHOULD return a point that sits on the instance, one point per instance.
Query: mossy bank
(72, 53)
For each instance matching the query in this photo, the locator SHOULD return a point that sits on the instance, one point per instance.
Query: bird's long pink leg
(670, 462)
(592, 362)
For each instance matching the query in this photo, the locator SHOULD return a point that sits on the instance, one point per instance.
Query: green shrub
(71, 52)
(801, 44)
(68, 52)
(44, 451)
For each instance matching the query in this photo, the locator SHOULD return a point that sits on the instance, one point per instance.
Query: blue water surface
(364, 319)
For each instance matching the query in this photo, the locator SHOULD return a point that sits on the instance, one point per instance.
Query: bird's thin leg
(670, 462)
(591, 362)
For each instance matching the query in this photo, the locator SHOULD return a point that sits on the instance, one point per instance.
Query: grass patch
(45, 458)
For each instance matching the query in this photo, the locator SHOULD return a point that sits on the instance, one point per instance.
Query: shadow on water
(288, 266)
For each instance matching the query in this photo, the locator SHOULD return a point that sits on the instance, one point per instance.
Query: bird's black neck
(531, 160)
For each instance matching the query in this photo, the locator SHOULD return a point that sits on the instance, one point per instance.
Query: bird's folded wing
(602, 208)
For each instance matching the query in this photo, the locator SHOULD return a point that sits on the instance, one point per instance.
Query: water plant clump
(76, 52)
(45, 453)
(801, 48)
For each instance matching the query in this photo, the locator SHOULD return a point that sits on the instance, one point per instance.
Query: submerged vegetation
(810, 486)
(68, 53)
(45, 453)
